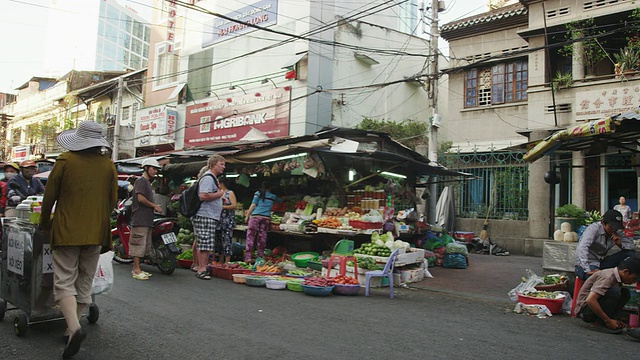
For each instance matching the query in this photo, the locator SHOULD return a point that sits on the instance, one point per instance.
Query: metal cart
(26, 276)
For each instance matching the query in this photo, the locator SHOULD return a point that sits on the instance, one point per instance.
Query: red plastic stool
(343, 251)
(343, 264)
(577, 285)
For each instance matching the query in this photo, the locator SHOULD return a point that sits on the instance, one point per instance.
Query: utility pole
(434, 120)
(116, 127)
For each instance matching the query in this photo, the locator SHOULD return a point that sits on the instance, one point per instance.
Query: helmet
(27, 163)
(13, 165)
(151, 162)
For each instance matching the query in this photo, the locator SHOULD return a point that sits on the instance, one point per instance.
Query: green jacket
(83, 186)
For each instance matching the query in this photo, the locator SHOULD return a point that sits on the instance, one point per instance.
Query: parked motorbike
(163, 243)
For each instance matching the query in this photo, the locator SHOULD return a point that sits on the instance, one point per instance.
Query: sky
(23, 23)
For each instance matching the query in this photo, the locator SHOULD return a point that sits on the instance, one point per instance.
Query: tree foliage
(409, 133)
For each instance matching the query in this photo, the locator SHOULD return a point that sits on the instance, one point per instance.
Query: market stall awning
(620, 131)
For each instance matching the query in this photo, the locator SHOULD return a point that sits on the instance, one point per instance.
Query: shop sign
(47, 259)
(231, 119)
(20, 153)
(591, 105)
(262, 13)
(170, 39)
(155, 125)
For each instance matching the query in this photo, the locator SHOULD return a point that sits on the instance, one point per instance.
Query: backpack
(190, 199)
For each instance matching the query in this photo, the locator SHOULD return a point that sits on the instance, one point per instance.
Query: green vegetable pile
(553, 279)
(366, 263)
(185, 255)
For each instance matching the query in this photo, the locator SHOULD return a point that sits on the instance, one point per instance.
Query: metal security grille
(504, 170)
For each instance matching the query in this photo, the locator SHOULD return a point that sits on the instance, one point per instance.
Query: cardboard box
(409, 274)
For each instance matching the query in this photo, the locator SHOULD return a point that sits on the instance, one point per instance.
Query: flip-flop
(75, 341)
(147, 273)
(203, 275)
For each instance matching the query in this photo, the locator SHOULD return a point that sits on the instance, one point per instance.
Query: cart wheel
(20, 325)
(3, 309)
(94, 314)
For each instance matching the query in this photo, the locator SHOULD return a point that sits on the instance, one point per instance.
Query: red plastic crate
(226, 273)
(554, 305)
(365, 225)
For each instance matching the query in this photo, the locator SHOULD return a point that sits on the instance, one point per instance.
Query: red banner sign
(229, 120)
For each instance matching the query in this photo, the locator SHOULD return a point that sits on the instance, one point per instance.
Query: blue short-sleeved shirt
(263, 207)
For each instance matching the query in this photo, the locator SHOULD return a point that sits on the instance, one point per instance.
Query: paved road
(181, 317)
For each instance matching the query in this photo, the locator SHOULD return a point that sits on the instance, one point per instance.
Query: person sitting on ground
(602, 297)
(624, 209)
(595, 243)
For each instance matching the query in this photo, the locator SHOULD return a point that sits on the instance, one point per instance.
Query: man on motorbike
(10, 170)
(142, 217)
(22, 186)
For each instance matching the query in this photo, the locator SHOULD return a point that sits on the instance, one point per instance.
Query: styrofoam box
(413, 256)
(408, 275)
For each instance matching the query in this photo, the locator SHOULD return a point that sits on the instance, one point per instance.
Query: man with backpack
(206, 220)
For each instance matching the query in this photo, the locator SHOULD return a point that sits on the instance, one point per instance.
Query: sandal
(140, 276)
(75, 341)
(147, 273)
(203, 275)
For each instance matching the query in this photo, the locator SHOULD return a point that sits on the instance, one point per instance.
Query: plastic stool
(343, 251)
(577, 285)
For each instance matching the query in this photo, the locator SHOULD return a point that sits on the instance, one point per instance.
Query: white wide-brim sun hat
(87, 135)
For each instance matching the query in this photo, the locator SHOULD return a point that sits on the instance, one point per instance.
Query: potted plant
(561, 80)
(571, 214)
(627, 59)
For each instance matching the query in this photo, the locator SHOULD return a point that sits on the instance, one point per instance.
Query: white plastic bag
(103, 280)
(528, 285)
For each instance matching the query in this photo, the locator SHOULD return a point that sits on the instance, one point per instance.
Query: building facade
(103, 35)
(207, 62)
(523, 71)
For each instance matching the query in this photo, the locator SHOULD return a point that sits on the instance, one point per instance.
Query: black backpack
(190, 199)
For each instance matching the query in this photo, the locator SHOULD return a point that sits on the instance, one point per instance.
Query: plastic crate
(226, 273)
(365, 225)
(554, 305)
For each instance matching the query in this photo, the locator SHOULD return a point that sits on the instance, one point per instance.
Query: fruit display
(345, 280)
(298, 272)
(318, 281)
(330, 222)
(553, 279)
(352, 215)
(185, 236)
(275, 219)
(373, 249)
(339, 212)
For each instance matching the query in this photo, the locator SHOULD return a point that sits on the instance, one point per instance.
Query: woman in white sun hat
(83, 186)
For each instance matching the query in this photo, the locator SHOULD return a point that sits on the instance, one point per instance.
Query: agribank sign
(231, 119)
(263, 13)
(155, 125)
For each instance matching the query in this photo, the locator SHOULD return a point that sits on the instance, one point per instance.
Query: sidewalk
(487, 277)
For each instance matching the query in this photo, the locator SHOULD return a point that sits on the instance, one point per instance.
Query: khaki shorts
(140, 241)
(73, 270)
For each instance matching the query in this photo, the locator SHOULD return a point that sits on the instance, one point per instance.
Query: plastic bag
(528, 285)
(456, 248)
(454, 261)
(540, 311)
(103, 280)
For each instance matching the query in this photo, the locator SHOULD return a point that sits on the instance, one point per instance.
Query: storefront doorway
(621, 182)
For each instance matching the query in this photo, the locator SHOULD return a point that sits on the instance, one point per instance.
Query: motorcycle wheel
(166, 262)
(119, 255)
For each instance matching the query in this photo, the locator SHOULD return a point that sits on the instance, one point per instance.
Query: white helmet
(151, 162)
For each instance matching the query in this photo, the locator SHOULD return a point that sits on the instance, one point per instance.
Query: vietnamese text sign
(591, 105)
(262, 13)
(226, 121)
(155, 125)
(15, 252)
